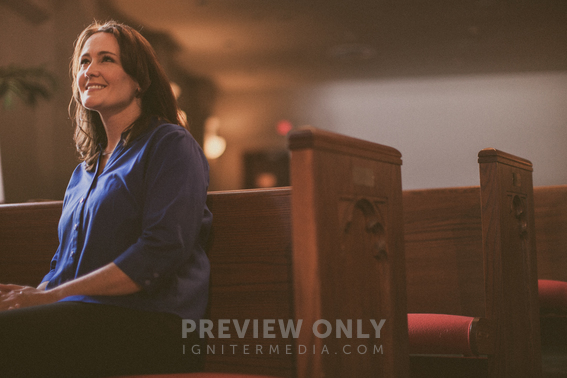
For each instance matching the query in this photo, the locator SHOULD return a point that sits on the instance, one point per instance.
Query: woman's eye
(107, 59)
(84, 61)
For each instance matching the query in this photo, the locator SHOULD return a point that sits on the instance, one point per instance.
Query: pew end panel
(509, 246)
(348, 252)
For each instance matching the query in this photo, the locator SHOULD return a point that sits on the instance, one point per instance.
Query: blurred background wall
(439, 124)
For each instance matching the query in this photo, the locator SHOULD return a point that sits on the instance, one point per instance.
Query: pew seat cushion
(552, 294)
(440, 334)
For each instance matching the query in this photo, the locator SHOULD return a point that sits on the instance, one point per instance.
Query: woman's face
(103, 84)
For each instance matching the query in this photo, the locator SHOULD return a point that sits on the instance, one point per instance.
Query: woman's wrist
(55, 294)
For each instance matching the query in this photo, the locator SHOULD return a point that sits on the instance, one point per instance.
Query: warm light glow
(265, 180)
(213, 145)
(283, 127)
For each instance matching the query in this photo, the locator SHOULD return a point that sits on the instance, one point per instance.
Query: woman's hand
(16, 296)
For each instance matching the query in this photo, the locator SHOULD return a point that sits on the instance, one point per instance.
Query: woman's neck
(115, 125)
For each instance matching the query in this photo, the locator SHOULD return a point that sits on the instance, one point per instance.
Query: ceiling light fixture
(213, 144)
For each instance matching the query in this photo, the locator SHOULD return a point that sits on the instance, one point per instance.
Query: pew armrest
(481, 337)
(552, 295)
(449, 335)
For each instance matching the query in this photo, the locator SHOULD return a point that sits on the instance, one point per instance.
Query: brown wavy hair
(139, 60)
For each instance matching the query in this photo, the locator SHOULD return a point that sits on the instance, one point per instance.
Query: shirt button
(72, 253)
(82, 200)
(76, 227)
(156, 275)
(148, 282)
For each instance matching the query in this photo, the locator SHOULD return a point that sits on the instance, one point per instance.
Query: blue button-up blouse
(147, 213)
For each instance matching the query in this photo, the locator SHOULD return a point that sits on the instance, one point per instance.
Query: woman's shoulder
(164, 129)
(169, 135)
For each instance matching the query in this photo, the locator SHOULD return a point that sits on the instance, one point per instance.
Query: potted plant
(27, 84)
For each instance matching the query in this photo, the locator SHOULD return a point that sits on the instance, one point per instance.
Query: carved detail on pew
(373, 225)
(519, 211)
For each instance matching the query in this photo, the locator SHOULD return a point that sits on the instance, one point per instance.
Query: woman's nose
(91, 70)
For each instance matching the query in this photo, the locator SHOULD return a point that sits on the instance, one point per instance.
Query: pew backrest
(443, 244)
(551, 230)
(251, 280)
(28, 241)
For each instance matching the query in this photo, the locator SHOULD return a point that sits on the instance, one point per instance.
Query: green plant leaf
(28, 84)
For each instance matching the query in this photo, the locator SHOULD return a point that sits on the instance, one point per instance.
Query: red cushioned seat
(552, 294)
(439, 334)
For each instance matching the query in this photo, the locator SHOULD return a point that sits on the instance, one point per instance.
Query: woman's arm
(108, 280)
(174, 199)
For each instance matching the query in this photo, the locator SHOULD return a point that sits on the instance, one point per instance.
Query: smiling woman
(131, 262)
(106, 88)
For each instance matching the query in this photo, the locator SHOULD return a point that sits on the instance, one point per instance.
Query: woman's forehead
(100, 42)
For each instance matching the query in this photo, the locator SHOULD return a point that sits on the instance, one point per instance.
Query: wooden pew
(448, 273)
(509, 245)
(551, 230)
(329, 248)
(348, 250)
(250, 253)
(28, 241)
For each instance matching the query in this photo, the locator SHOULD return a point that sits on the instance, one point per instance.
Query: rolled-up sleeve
(175, 185)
